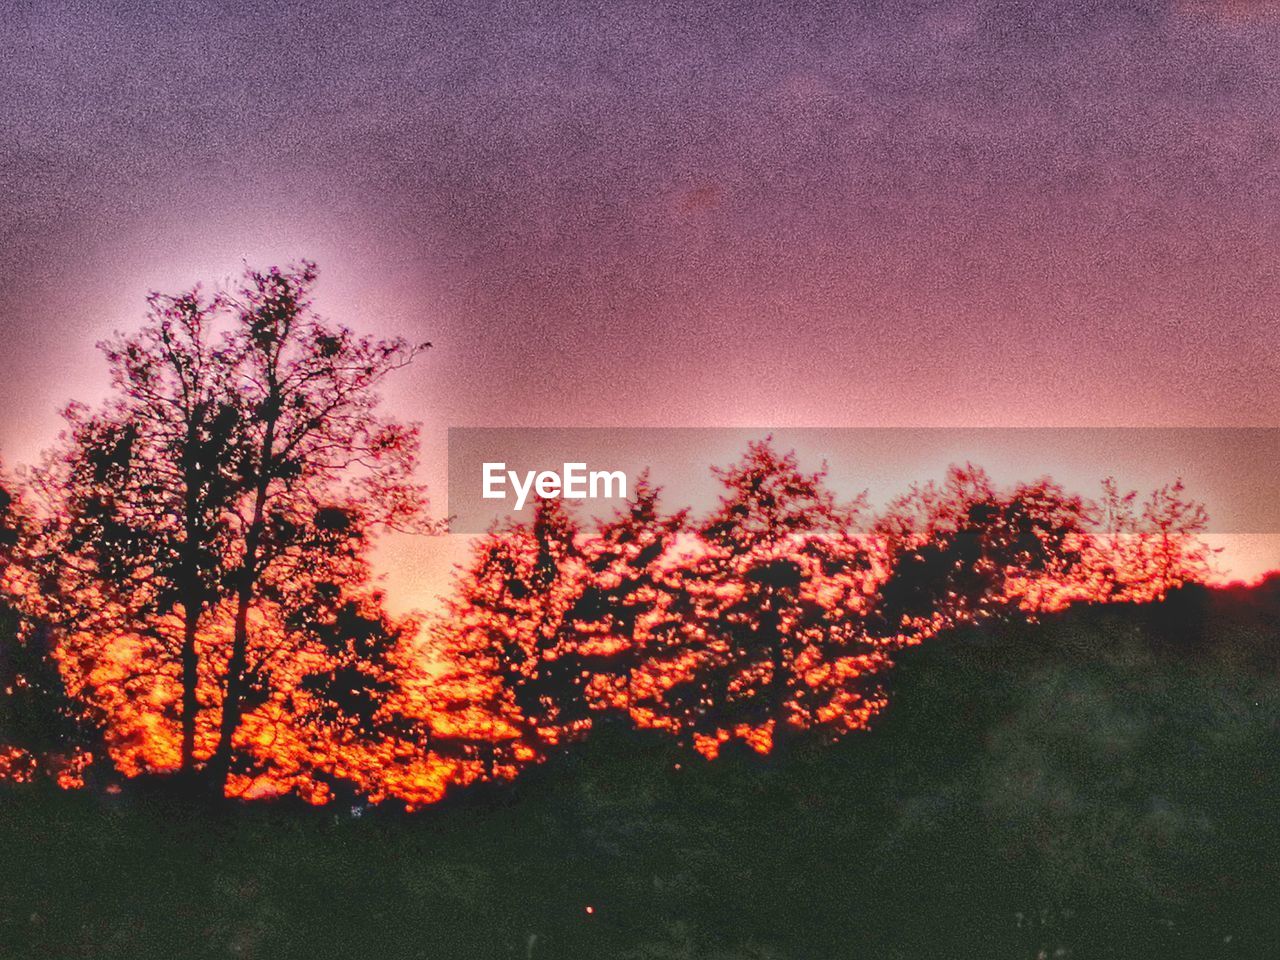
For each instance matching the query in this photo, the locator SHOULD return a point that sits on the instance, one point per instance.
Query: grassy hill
(1102, 784)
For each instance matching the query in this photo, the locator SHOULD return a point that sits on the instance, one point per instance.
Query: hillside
(1102, 784)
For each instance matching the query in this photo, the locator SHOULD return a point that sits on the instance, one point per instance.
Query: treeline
(776, 615)
(187, 588)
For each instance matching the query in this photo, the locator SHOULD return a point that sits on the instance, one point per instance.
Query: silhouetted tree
(1141, 551)
(42, 729)
(224, 479)
(320, 467)
(144, 493)
(516, 667)
(964, 551)
(349, 693)
(773, 637)
(629, 586)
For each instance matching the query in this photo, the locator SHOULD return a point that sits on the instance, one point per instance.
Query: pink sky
(672, 215)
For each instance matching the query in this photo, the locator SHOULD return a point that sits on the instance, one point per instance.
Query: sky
(669, 214)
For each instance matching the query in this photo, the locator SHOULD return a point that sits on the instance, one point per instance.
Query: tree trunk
(219, 768)
(232, 702)
(192, 600)
(190, 688)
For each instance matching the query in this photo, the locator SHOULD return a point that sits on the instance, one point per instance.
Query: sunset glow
(639, 480)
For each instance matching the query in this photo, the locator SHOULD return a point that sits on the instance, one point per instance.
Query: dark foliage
(1095, 785)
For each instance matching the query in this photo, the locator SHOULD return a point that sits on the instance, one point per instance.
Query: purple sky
(670, 214)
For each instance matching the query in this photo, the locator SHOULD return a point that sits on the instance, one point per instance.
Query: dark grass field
(1102, 784)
